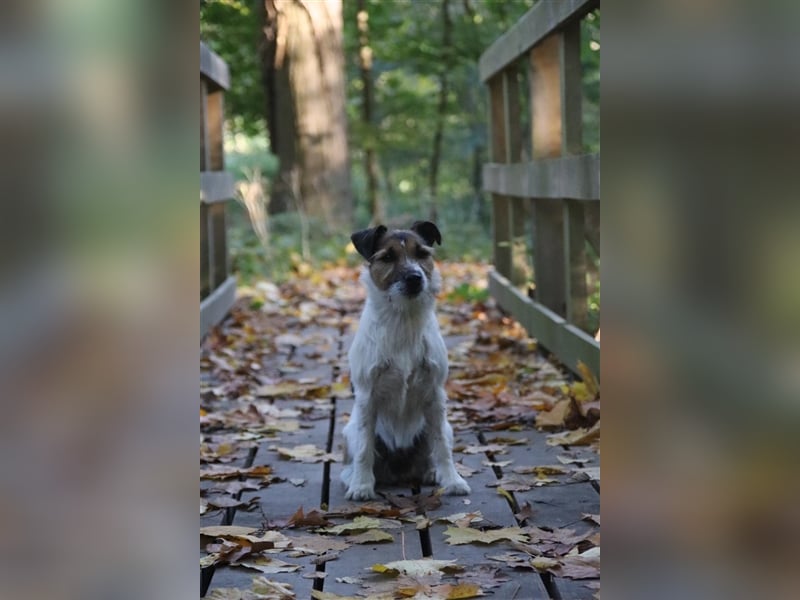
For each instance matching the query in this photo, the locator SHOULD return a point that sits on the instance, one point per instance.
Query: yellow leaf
(578, 437)
(589, 379)
(466, 535)
(542, 563)
(505, 494)
(463, 590)
(357, 525)
(371, 536)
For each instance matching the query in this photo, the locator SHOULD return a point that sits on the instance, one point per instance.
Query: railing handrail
(545, 17)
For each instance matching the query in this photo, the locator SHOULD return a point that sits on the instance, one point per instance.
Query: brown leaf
(220, 472)
(371, 536)
(312, 519)
(466, 535)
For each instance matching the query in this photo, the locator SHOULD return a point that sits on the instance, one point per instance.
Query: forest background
(346, 113)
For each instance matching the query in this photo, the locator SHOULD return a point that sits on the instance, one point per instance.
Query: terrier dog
(398, 431)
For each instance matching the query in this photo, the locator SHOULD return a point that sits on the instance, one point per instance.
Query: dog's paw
(360, 492)
(456, 487)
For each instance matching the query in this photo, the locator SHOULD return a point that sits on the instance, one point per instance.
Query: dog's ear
(428, 232)
(366, 240)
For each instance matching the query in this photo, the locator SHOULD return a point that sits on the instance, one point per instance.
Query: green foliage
(466, 292)
(231, 29)
(408, 59)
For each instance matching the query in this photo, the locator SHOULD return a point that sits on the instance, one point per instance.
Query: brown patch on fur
(396, 251)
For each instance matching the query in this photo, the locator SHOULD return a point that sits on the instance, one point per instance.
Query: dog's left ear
(428, 232)
(366, 240)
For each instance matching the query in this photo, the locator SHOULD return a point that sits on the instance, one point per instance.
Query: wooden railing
(217, 286)
(545, 197)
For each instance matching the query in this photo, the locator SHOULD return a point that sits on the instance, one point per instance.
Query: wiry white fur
(398, 368)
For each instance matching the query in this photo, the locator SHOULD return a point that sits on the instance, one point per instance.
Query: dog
(398, 430)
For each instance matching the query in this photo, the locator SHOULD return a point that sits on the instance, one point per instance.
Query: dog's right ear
(366, 240)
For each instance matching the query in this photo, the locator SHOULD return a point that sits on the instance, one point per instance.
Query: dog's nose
(413, 281)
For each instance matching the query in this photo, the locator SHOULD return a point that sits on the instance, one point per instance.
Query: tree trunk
(365, 68)
(441, 111)
(303, 73)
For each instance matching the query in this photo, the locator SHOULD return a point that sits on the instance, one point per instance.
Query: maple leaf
(312, 519)
(266, 564)
(314, 544)
(462, 519)
(357, 525)
(417, 568)
(308, 453)
(371, 536)
(466, 535)
(219, 472)
(579, 437)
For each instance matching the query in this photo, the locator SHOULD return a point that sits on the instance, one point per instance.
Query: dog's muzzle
(412, 283)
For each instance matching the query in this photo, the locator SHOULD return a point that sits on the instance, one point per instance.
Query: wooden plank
(567, 342)
(575, 264)
(569, 40)
(214, 68)
(216, 186)
(548, 255)
(501, 234)
(203, 109)
(556, 505)
(205, 268)
(540, 21)
(281, 500)
(495, 510)
(511, 115)
(356, 560)
(545, 93)
(215, 122)
(521, 270)
(220, 246)
(574, 177)
(216, 305)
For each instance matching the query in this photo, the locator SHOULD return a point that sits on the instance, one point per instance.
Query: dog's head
(400, 261)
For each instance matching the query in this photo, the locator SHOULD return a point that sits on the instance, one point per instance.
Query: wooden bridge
(274, 520)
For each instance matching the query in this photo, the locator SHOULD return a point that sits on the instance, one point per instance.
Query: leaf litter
(260, 358)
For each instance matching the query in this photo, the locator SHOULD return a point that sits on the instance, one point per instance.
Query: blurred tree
(396, 109)
(367, 93)
(303, 75)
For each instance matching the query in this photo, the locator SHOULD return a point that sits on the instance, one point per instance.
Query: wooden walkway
(275, 397)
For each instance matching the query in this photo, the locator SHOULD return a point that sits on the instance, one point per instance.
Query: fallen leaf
(579, 437)
(540, 470)
(417, 568)
(312, 519)
(483, 449)
(466, 535)
(308, 453)
(314, 544)
(266, 564)
(220, 472)
(319, 595)
(462, 519)
(589, 379)
(591, 518)
(371, 536)
(357, 525)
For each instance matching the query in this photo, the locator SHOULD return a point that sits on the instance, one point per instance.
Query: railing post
(575, 291)
(546, 132)
(509, 213)
(501, 235)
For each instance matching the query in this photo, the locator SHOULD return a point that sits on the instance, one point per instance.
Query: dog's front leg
(442, 447)
(360, 436)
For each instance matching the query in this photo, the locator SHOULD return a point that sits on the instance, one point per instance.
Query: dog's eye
(388, 257)
(422, 254)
